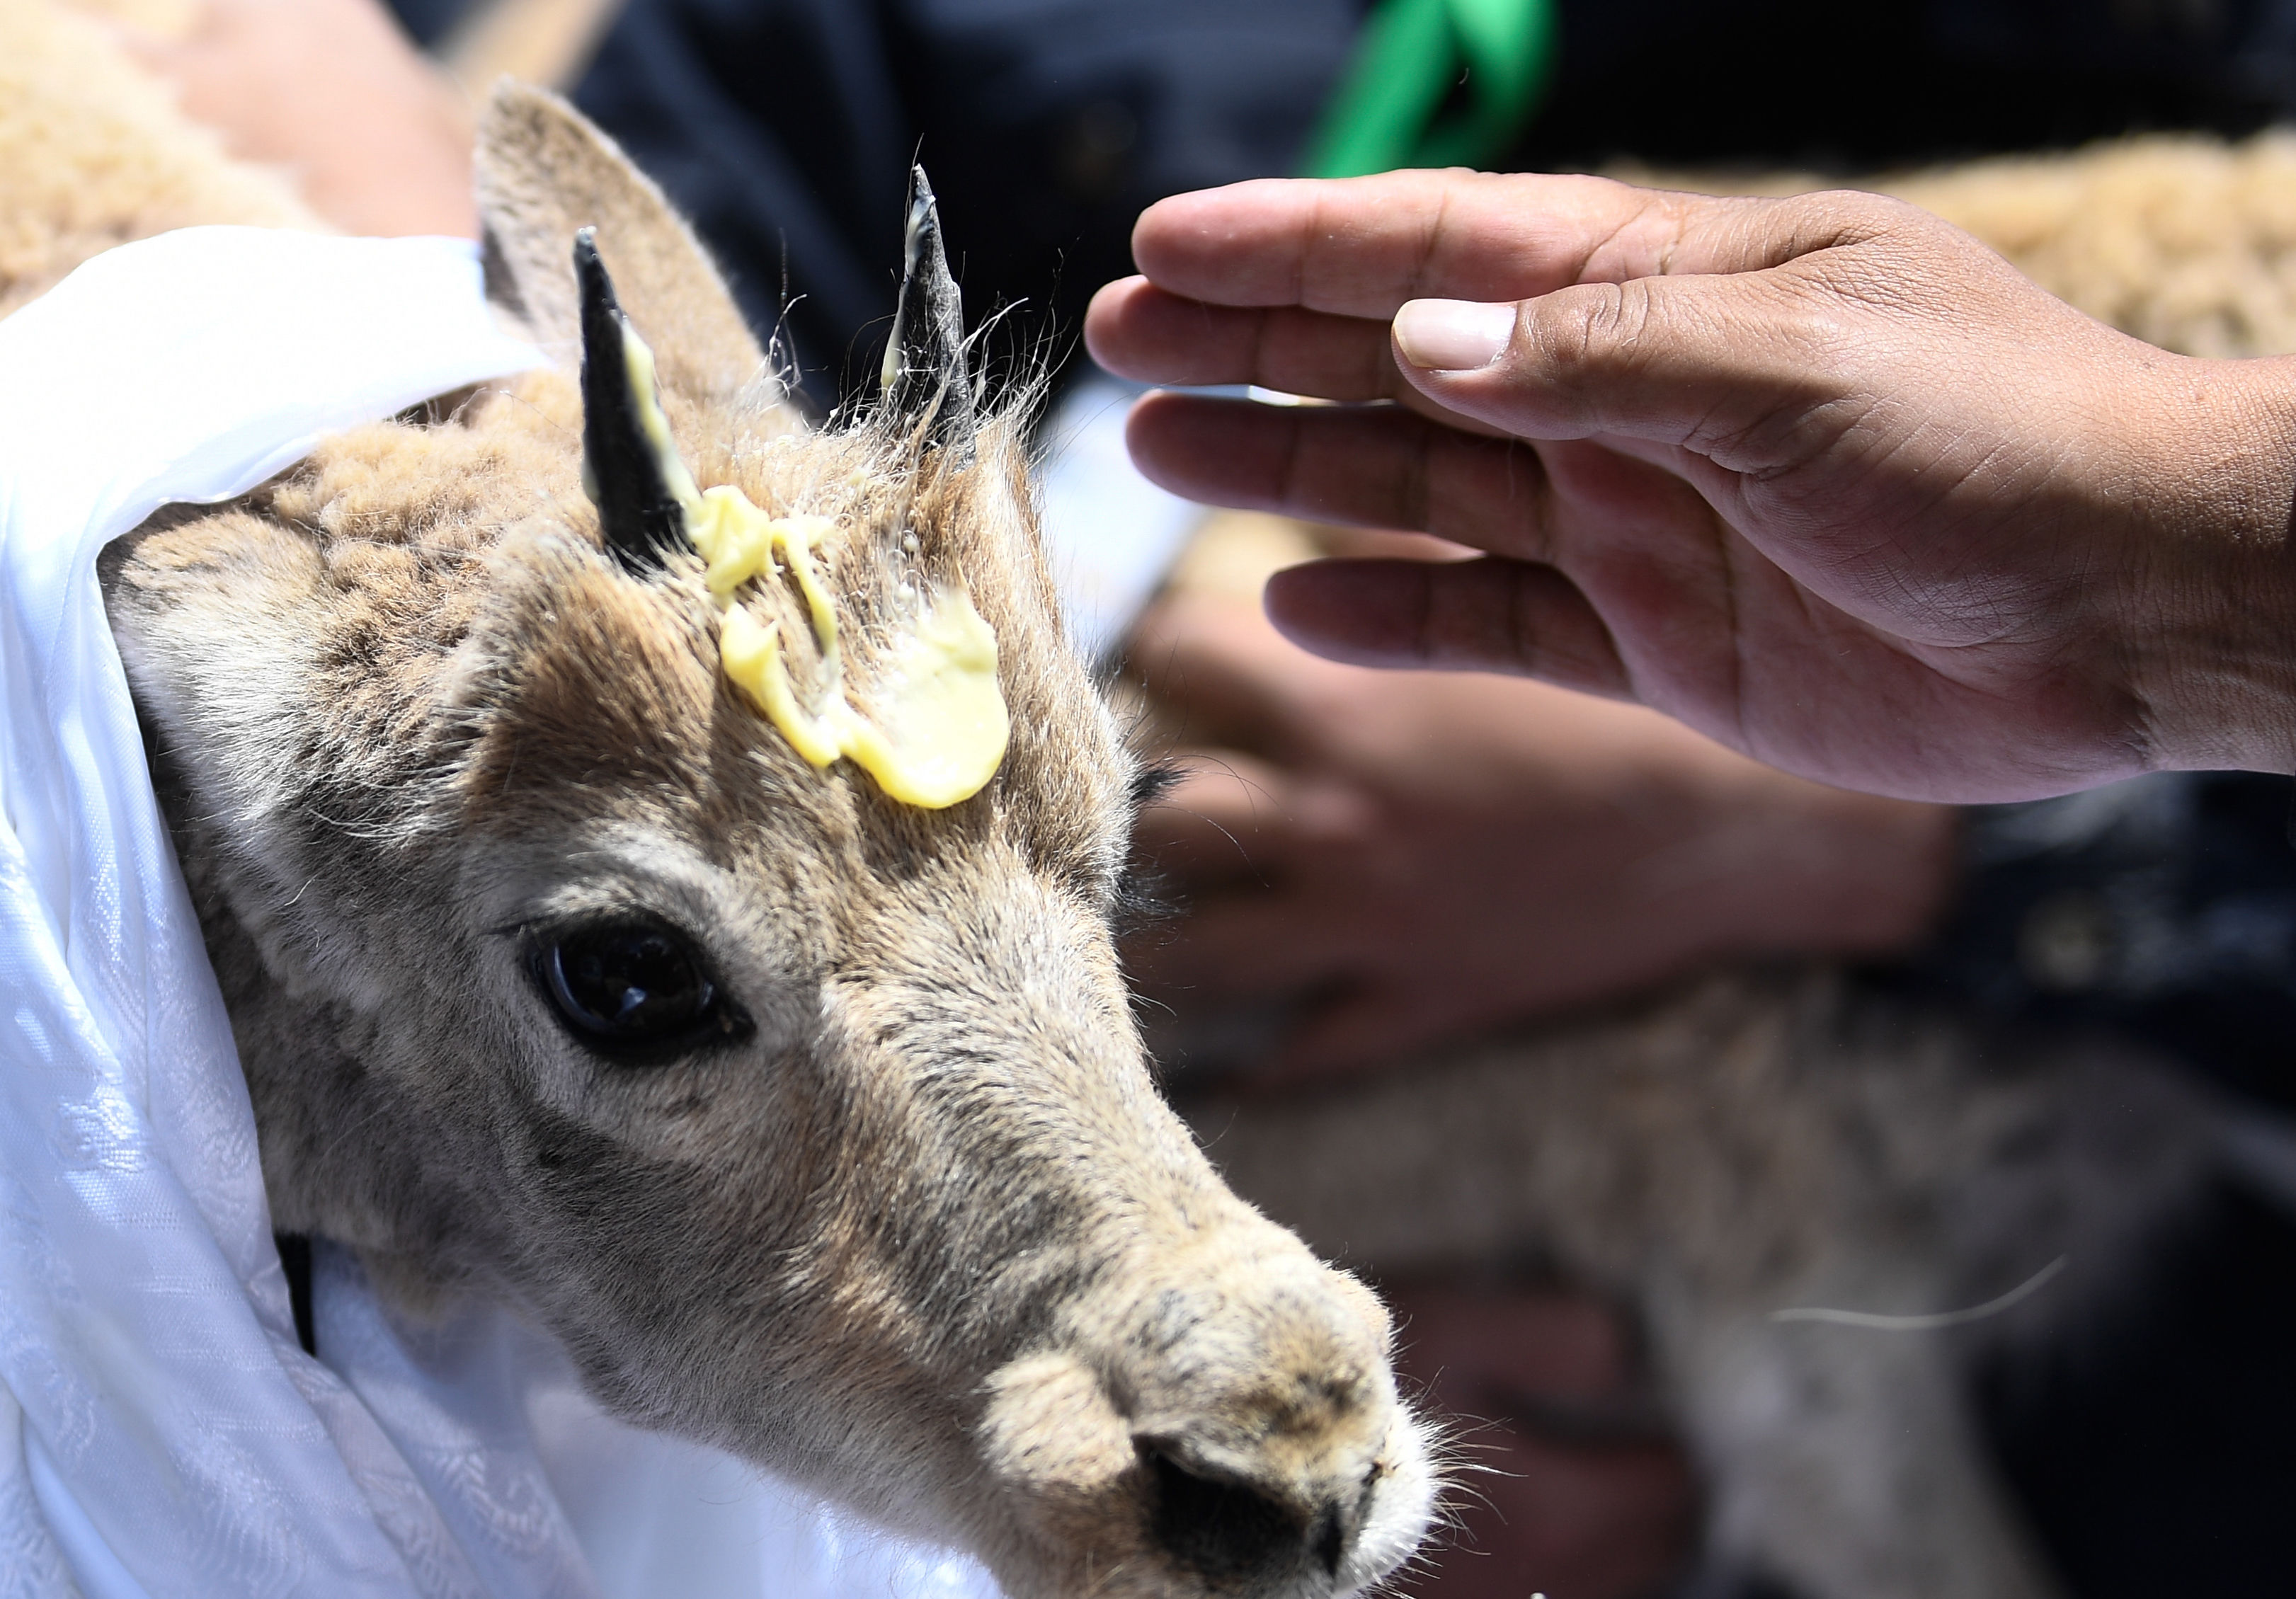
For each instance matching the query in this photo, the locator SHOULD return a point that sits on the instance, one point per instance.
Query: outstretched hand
(1821, 477)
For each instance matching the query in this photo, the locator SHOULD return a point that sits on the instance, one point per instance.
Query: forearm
(1748, 861)
(1824, 871)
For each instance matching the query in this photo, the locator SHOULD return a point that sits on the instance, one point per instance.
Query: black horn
(629, 465)
(925, 379)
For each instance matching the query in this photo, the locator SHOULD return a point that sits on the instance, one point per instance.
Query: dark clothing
(1842, 88)
(2155, 1455)
(785, 129)
(2163, 909)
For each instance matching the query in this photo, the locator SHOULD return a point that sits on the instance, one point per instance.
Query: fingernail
(1453, 335)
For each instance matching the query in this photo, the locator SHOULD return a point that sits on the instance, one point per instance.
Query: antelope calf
(710, 958)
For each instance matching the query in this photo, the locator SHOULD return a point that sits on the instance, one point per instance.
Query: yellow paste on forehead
(939, 726)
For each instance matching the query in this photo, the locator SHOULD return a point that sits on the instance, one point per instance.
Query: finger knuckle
(1583, 335)
(1826, 218)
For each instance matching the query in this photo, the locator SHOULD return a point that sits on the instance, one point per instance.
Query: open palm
(1821, 477)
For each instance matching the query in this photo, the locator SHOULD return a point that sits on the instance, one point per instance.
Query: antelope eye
(633, 986)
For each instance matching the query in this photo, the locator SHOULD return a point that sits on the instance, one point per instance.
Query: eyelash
(1152, 781)
(1142, 897)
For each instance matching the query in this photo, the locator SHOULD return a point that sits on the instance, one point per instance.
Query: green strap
(1389, 110)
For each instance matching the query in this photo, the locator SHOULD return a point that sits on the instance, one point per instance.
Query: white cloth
(161, 1433)
(1111, 534)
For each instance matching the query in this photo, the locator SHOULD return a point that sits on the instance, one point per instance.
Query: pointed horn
(630, 466)
(925, 379)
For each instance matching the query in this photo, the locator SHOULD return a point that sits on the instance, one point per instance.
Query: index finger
(1362, 246)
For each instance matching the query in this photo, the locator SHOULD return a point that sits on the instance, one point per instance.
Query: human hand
(1404, 859)
(1821, 477)
(376, 138)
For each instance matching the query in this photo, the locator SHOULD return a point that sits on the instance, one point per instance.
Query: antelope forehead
(599, 695)
(754, 917)
(612, 712)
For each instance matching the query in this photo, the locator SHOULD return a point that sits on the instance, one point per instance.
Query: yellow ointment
(940, 727)
(937, 727)
(637, 362)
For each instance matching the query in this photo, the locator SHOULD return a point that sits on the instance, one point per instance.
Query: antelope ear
(544, 171)
(926, 381)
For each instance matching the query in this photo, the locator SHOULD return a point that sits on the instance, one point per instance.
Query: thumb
(1726, 363)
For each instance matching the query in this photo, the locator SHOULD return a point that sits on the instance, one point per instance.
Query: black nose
(1234, 1534)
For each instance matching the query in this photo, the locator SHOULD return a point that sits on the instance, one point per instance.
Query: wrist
(1831, 872)
(2206, 616)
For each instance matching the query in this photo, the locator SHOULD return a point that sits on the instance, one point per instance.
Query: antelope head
(659, 858)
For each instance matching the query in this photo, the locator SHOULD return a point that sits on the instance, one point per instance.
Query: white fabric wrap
(161, 1432)
(1111, 533)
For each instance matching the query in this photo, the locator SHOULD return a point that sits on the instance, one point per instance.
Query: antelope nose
(1239, 1535)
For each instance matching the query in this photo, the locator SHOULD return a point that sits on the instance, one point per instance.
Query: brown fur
(1747, 1144)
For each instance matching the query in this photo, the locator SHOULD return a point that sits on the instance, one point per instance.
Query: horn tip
(924, 210)
(596, 285)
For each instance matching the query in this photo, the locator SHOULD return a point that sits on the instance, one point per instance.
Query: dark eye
(632, 987)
